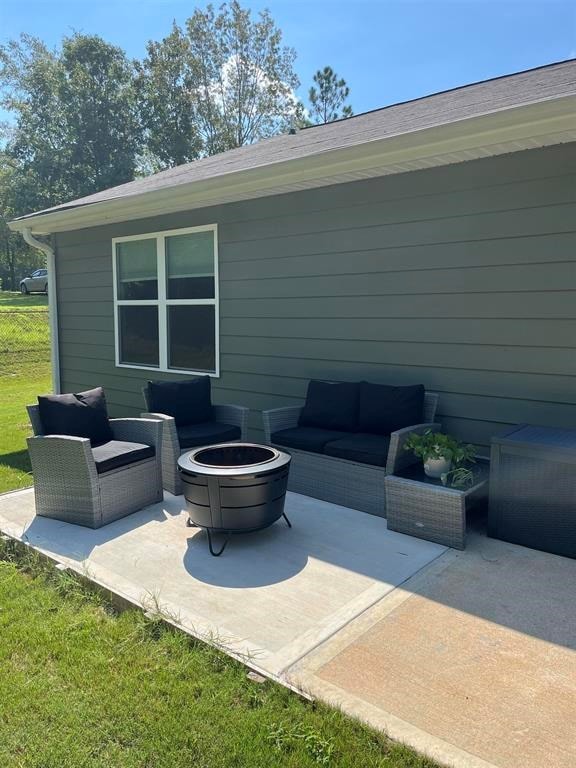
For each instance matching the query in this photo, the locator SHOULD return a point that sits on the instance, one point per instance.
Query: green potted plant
(439, 452)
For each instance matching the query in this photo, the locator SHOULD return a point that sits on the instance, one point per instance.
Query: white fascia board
(510, 130)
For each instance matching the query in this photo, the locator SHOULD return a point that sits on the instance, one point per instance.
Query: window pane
(136, 270)
(190, 266)
(191, 338)
(138, 331)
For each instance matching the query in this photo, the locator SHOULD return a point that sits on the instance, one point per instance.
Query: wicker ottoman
(422, 507)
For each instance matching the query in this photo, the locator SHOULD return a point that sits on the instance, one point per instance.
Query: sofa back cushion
(331, 405)
(187, 401)
(384, 409)
(82, 414)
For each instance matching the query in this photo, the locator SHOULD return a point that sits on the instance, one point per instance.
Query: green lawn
(24, 374)
(10, 300)
(82, 687)
(18, 388)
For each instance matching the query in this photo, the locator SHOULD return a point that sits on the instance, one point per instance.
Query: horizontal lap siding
(462, 277)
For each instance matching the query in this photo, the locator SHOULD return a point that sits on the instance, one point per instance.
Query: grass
(83, 687)
(18, 389)
(11, 300)
(24, 374)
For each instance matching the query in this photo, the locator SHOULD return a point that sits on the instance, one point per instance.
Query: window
(166, 301)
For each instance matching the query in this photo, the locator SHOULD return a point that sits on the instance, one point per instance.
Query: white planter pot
(437, 467)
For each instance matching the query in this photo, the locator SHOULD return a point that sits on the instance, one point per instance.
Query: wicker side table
(422, 507)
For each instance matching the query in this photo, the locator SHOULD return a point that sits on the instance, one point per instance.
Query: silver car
(37, 281)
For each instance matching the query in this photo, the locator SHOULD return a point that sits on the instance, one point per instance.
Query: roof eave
(535, 125)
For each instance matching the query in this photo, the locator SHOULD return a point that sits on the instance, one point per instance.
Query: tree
(101, 117)
(76, 127)
(245, 78)
(327, 100)
(165, 86)
(223, 82)
(16, 257)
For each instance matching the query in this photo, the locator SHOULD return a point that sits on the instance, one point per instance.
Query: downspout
(52, 303)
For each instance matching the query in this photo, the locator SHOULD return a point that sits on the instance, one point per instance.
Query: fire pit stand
(234, 488)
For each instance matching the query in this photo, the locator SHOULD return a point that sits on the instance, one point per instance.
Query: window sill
(213, 374)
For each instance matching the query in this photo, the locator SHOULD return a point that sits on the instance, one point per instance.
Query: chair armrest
(398, 458)
(157, 417)
(147, 431)
(63, 460)
(34, 415)
(280, 418)
(233, 414)
(169, 431)
(170, 441)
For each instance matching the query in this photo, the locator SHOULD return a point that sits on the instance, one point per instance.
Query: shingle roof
(483, 98)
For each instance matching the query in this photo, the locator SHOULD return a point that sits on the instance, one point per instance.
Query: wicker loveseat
(356, 482)
(189, 420)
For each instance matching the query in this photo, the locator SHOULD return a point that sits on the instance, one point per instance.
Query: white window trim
(162, 302)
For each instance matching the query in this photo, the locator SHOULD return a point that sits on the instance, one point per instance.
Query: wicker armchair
(234, 415)
(342, 481)
(68, 487)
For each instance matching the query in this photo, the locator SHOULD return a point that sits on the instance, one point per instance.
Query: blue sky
(388, 50)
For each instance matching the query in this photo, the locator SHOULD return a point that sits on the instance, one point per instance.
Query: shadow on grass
(19, 460)
(16, 300)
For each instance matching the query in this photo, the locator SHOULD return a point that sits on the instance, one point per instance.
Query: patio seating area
(439, 648)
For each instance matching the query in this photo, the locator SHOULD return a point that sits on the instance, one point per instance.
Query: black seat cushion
(82, 414)
(208, 433)
(331, 405)
(384, 409)
(118, 453)
(187, 401)
(363, 448)
(306, 438)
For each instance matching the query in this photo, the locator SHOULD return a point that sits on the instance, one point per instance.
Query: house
(432, 241)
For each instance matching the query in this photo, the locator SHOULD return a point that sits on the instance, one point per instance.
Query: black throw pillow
(331, 405)
(82, 414)
(384, 409)
(187, 401)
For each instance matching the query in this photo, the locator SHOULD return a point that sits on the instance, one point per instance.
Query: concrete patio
(470, 656)
(472, 660)
(272, 596)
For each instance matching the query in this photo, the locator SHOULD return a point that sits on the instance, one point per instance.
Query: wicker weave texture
(67, 486)
(66, 483)
(129, 489)
(426, 511)
(280, 418)
(533, 497)
(359, 486)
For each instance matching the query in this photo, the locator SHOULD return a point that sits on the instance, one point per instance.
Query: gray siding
(462, 278)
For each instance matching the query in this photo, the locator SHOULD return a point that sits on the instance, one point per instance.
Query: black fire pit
(234, 488)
